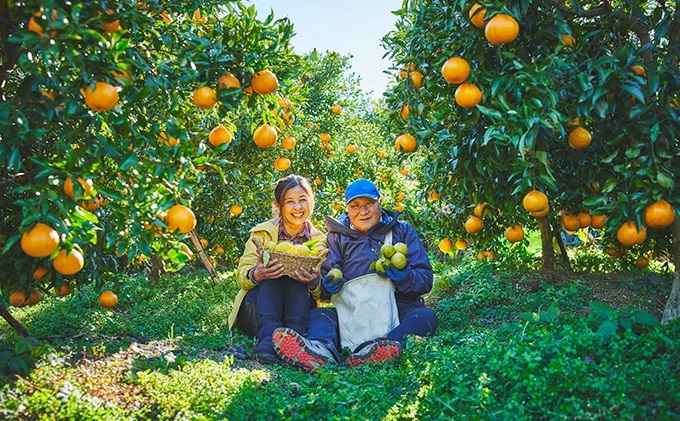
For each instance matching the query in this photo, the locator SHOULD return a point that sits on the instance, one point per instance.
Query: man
(354, 242)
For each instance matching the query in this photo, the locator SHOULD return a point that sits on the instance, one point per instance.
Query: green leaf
(607, 329)
(601, 309)
(645, 318)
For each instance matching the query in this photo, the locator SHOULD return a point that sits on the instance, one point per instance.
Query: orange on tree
(456, 70)
(474, 224)
(64, 290)
(638, 70)
(629, 234)
(351, 148)
(641, 262)
(584, 219)
(408, 68)
(285, 104)
(265, 136)
(570, 222)
(579, 138)
(416, 79)
(461, 244)
(404, 171)
(180, 217)
(476, 14)
(108, 299)
(34, 298)
(204, 243)
(34, 26)
(40, 241)
(205, 97)
(325, 137)
(288, 142)
(86, 185)
(281, 164)
(481, 209)
(514, 233)
(501, 29)
(236, 210)
(68, 263)
(111, 26)
(405, 111)
(468, 95)
(568, 40)
(659, 214)
(445, 245)
(103, 97)
(542, 213)
(401, 196)
(219, 135)
(39, 272)
(433, 195)
(381, 154)
(597, 221)
(264, 82)
(405, 143)
(228, 81)
(18, 299)
(172, 141)
(336, 109)
(399, 207)
(535, 201)
(92, 204)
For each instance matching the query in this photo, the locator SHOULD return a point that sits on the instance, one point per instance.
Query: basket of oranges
(292, 256)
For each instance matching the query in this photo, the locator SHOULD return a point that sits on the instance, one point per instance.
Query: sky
(349, 27)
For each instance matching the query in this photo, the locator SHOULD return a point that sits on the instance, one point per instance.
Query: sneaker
(377, 352)
(265, 358)
(294, 349)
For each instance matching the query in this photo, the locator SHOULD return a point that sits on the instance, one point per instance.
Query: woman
(268, 299)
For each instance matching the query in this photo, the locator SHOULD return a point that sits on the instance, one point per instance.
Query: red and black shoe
(377, 352)
(295, 349)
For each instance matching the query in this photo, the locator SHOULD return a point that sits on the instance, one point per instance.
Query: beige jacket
(264, 232)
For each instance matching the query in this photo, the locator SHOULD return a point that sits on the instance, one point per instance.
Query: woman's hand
(309, 278)
(273, 270)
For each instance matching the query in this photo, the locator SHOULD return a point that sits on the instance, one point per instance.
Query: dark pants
(414, 318)
(275, 303)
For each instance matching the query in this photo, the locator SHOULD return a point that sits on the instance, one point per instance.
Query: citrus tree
(545, 114)
(108, 113)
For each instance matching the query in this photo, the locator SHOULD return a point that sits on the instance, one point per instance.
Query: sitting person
(268, 299)
(354, 242)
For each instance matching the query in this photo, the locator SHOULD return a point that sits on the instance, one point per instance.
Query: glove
(397, 275)
(332, 284)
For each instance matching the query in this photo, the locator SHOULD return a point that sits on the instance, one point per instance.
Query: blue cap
(361, 188)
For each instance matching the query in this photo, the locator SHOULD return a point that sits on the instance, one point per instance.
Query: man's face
(364, 213)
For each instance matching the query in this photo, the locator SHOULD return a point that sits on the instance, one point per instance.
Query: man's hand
(397, 275)
(332, 284)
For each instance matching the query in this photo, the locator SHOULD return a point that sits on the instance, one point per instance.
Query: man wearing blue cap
(354, 242)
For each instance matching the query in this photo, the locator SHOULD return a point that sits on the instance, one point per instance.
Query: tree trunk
(672, 310)
(13, 322)
(547, 250)
(563, 251)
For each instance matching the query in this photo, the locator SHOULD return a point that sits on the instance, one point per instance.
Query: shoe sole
(382, 351)
(291, 347)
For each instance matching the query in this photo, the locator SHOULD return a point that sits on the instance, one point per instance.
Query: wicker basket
(291, 261)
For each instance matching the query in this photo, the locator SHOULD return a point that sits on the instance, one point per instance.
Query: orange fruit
(405, 143)
(35, 26)
(108, 299)
(514, 233)
(468, 95)
(570, 222)
(64, 290)
(265, 136)
(285, 104)
(204, 243)
(579, 138)
(597, 221)
(481, 210)
(288, 142)
(205, 97)
(86, 184)
(219, 135)
(629, 235)
(228, 81)
(162, 138)
(659, 214)
(406, 70)
(399, 207)
(584, 219)
(456, 70)
(103, 97)
(535, 201)
(39, 272)
(325, 137)
(473, 224)
(381, 154)
(68, 263)
(288, 118)
(318, 181)
(264, 82)
(18, 299)
(404, 171)
(121, 75)
(336, 109)
(248, 90)
(638, 70)
(180, 217)
(281, 164)
(236, 210)
(34, 298)
(445, 245)
(568, 40)
(501, 29)
(401, 196)
(542, 213)
(351, 148)
(111, 26)
(416, 79)
(477, 16)
(433, 195)
(405, 111)
(641, 262)
(461, 244)
(40, 241)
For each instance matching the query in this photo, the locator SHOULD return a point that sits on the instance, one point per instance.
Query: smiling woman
(350, 27)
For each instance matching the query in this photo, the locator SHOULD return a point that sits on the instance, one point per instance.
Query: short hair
(286, 183)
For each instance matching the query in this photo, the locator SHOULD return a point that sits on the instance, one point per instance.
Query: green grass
(508, 347)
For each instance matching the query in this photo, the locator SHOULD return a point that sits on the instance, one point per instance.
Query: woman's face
(296, 207)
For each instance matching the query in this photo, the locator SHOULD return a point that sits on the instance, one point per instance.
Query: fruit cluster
(392, 255)
(305, 249)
